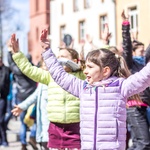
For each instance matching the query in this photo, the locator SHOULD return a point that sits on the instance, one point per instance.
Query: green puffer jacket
(62, 107)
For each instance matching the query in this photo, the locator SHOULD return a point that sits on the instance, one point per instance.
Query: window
(48, 18)
(37, 33)
(75, 5)
(81, 30)
(133, 17)
(62, 32)
(36, 5)
(102, 22)
(62, 9)
(47, 5)
(87, 3)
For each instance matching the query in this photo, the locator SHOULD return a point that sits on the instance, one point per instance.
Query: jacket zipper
(95, 119)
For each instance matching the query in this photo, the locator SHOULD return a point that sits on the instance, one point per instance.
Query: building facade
(80, 18)
(39, 19)
(138, 11)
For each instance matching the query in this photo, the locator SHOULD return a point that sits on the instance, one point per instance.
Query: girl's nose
(85, 71)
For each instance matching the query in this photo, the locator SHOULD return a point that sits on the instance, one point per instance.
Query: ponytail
(124, 72)
(81, 62)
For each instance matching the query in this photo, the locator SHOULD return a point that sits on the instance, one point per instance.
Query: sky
(22, 14)
(18, 23)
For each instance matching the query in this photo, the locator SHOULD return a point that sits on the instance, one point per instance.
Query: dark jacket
(25, 86)
(4, 81)
(133, 66)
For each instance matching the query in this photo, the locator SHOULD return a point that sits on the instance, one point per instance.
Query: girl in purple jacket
(103, 95)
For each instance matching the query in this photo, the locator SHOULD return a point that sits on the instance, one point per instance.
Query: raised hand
(106, 35)
(124, 17)
(45, 43)
(89, 39)
(134, 35)
(16, 111)
(13, 44)
(9, 45)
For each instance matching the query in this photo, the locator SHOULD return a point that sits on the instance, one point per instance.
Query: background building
(138, 11)
(39, 19)
(85, 17)
(79, 18)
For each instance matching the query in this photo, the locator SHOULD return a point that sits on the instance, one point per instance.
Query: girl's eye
(89, 66)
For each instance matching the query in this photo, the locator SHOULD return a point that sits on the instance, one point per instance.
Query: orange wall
(37, 21)
(143, 7)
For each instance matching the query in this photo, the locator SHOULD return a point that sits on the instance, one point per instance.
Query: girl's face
(139, 51)
(94, 73)
(65, 54)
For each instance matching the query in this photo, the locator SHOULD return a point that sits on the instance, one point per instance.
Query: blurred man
(4, 90)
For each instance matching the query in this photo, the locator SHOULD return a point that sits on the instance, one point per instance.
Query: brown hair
(103, 58)
(75, 55)
(117, 64)
(136, 44)
(114, 49)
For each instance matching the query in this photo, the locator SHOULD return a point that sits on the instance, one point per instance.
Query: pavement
(13, 136)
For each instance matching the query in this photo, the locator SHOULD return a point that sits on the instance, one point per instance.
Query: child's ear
(75, 60)
(106, 72)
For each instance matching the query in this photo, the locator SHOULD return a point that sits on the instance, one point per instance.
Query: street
(12, 136)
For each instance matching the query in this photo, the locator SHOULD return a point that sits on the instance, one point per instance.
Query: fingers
(106, 29)
(124, 17)
(122, 14)
(16, 114)
(43, 34)
(14, 43)
(16, 111)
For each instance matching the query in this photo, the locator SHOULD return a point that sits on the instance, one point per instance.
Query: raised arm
(127, 44)
(33, 72)
(106, 35)
(137, 82)
(67, 81)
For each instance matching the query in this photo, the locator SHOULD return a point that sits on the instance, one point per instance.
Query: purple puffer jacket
(102, 109)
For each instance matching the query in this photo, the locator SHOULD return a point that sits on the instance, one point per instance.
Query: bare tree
(6, 12)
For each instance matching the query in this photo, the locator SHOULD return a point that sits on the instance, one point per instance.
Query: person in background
(133, 52)
(8, 114)
(103, 95)
(4, 90)
(40, 97)
(62, 107)
(86, 46)
(25, 87)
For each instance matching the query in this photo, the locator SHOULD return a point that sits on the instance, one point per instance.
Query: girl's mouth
(88, 78)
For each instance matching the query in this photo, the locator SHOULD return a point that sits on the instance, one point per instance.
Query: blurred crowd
(51, 113)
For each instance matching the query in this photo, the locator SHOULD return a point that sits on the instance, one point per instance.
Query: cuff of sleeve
(46, 53)
(17, 55)
(126, 23)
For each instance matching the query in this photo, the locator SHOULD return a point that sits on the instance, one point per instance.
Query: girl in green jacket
(62, 107)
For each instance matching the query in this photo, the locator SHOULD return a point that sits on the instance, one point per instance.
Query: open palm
(45, 43)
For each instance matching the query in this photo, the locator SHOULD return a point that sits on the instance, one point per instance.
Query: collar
(102, 83)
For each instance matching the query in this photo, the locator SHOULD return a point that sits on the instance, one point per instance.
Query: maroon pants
(64, 135)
